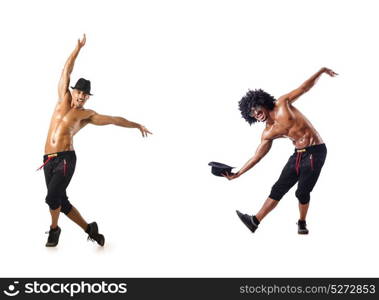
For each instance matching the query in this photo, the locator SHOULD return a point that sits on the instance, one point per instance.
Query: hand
(82, 42)
(144, 130)
(329, 72)
(231, 176)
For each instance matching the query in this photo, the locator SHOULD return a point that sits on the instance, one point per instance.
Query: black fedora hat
(83, 85)
(220, 169)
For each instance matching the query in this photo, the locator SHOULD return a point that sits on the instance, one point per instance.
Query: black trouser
(59, 168)
(304, 166)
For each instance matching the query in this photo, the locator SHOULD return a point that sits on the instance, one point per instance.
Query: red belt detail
(298, 159)
(47, 160)
(49, 157)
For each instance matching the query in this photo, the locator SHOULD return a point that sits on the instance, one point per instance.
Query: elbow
(114, 121)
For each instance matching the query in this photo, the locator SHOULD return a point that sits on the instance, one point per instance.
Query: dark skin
(284, 121)
(69, 117)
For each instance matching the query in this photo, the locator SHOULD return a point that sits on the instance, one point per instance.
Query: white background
(180, 68)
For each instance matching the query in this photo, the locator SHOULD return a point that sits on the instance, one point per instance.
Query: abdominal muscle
(60, 137)
(63, 144)
(306, 140)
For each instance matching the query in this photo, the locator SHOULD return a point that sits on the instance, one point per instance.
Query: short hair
(253, 99)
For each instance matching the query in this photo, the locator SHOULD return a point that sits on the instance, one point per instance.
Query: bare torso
(65, 123)
(291, 123)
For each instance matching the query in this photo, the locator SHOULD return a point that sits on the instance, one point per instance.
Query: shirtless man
(59, 160)
(304, 166)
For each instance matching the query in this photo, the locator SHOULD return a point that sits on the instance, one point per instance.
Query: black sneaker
(302, 227)
(94, 235)
(53, 238)
(248, 221)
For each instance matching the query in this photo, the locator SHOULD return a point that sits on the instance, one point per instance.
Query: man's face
(79, 98)
(259, 113)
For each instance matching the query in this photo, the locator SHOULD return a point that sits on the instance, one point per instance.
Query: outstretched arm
(67, 70)
(262, 150)
(97, 119)
(306, 86)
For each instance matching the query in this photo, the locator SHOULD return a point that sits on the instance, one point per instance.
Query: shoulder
(87, 114)
(283, 104)
(282, 100)
(267, 133)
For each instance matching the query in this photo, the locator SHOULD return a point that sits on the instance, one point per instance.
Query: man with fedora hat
(304, 166)
(59, 160)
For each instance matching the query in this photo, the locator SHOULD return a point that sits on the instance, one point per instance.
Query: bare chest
(284, 123)
(67, 120)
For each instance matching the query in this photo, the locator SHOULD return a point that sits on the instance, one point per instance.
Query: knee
(66, 207)
(303, 197)
(277, 193)
(53, 202)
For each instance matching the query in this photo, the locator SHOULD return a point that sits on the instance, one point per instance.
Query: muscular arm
(261, 151)
(98, 119)
(306, 86)
(67, 70)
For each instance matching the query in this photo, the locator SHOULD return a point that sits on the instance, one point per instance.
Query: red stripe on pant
(44, 164)
(64, 167)
(298, 160)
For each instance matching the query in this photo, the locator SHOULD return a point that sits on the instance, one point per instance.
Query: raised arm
(67, 70)
(261, 151)
(98, 119)
(306, 86)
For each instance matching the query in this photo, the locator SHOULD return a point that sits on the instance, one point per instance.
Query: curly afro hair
(254, 99)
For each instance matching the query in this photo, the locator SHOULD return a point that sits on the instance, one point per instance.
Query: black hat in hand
(220, 169)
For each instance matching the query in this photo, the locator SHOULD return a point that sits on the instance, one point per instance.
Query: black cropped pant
(304, 167)
(58, 169)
